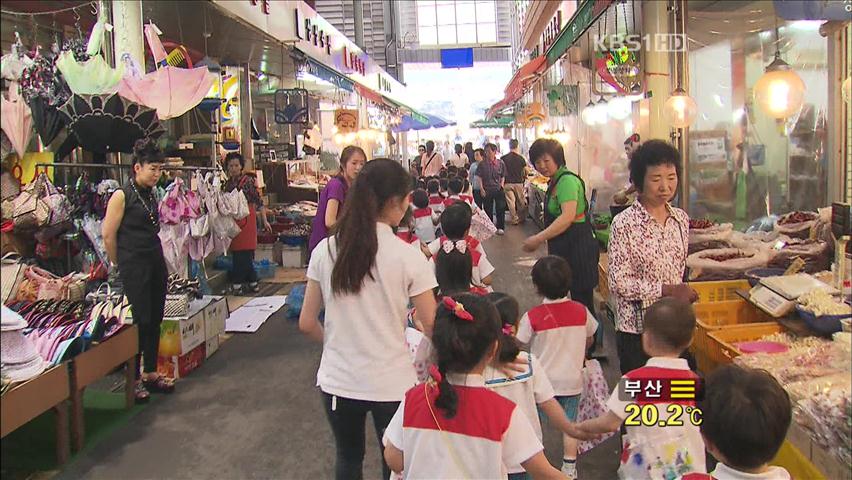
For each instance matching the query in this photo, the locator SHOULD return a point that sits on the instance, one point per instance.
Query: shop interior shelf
(23, 403)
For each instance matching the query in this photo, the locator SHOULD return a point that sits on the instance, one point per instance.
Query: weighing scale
(777, 295)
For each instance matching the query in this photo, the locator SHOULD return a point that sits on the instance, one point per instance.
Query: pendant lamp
(680, 110)
(780, 92)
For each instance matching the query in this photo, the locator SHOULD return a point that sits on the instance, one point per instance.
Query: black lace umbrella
(44, 90)
(109, 123)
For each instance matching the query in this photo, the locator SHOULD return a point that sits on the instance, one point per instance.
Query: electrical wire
(50, 12)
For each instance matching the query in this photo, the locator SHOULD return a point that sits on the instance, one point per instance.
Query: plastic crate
(722, 291)
(714, 316)
(721, 349)
(264, 269)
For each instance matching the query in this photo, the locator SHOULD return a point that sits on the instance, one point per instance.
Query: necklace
(154, 220)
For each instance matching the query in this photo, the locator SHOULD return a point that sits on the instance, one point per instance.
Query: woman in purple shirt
(352, 160)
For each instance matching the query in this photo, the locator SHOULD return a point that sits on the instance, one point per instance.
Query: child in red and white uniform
(455, 224)
(455, 188)
(559, 330)
(452, 426)
(404, 232)
(425, 219)
(454, 268)
(436, 200)
(527, 389)
(747, 437)
(656, 451)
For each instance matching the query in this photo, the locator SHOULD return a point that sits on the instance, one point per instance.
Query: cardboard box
(214, 317)
(179, 366)
(179, 336)
(212, 344)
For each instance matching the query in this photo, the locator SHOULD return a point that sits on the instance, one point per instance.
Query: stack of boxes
(186, 342)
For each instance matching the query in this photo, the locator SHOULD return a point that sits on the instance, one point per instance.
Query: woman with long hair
(352, 160)
(130, 232)
(366, 276)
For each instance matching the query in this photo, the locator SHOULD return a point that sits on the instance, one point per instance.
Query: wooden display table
(50, 390)
(94, 364)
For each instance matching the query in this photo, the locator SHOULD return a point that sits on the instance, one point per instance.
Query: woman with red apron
(243, 276)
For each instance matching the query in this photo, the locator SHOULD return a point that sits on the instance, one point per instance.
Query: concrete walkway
(252, 411)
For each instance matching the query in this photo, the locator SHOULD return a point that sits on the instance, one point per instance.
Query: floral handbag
(593, 400)
(30, 209)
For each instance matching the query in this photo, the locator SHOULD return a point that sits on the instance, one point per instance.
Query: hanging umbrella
(172, 91)
(16, 120)
(13, 64)
(44, 89)
(93, 76)
(109, 123)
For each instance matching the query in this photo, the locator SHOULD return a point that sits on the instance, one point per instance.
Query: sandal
(160, 385)
(141, 393)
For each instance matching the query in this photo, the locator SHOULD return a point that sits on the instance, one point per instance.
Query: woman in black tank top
(130, 231)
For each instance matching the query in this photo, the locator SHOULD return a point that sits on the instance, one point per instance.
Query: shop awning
(438, 122)
(324, 73)
(370, 94)
(498, 122)
(583, 18)
(432, 121)
(515, 89)
(419, 117)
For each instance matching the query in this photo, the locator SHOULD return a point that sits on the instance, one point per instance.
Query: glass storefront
(744, 164)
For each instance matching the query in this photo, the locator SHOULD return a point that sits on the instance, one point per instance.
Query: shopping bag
(481, 227)
(593, 401)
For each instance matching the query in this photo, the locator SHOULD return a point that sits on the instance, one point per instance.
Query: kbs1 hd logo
(661, 402)
(658, 42)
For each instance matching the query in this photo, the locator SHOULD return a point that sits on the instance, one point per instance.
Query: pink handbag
(593, 401)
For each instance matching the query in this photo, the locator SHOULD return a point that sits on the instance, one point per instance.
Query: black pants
(145, 283)
(242, 269)
(631, 355)
(495, 203)
(477, 198)
(348, 419)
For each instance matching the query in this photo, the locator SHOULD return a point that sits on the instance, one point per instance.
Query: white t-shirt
(527, 390)
(457, 160)
(431, 168)
(364, 356)
(487, 428)
(557, 331)
(724, 472)
(683, 441)
(424, 224)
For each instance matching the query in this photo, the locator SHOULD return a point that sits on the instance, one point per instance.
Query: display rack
(30, 399)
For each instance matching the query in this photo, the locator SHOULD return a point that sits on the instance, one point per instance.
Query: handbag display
(30, 209)
(199, 227)
(13, 273)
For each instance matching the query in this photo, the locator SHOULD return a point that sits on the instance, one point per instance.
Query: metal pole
(127, 31)
(358, 5)
(655, 20)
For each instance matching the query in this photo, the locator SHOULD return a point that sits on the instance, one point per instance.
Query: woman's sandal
(160, 385)
(141, 393)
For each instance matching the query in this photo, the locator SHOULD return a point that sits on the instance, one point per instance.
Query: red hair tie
(509, 330)
(435, 373)
(457, 309)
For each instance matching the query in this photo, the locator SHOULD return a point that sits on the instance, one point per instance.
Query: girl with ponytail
(452, 426)
(366, 276)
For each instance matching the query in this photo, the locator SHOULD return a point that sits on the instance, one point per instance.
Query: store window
(744, 164)
(453, 22)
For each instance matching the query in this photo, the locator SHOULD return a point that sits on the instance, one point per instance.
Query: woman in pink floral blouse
(648, 247)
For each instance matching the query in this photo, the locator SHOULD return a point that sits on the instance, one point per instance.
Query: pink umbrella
(16, 119)
(172, 91)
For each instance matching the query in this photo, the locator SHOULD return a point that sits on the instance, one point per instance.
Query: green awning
(498, 122)
(583, 18)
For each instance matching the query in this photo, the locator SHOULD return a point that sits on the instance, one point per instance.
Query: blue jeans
(570, 404)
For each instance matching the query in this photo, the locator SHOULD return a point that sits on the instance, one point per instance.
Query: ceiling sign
(619, 68)
(346, 120)
(291, 106)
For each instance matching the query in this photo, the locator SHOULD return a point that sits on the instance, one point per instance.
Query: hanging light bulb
(599, 112)
(588, 114)
(780, 92)
(847, 90)
(680, 109)
(619, 108)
